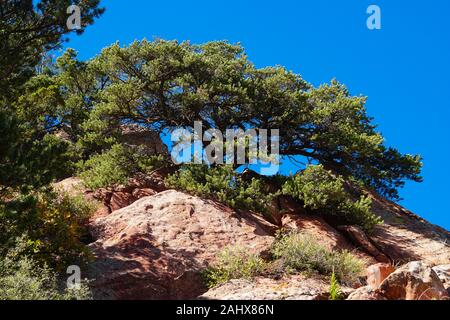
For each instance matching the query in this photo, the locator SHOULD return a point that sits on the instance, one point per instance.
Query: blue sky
(404, 68)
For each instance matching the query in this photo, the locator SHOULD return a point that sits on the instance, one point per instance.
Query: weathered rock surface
(376, 273)
(366, 293)
(147, 140)
(406, 237)
(443, 272)
(360, 239)
(294, 287)
(156, 247)
(413, 281)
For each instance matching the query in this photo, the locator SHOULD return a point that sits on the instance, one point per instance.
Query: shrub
(25, 279)
(335, 289)
(116, 165)
(106, 169)
(233, 263)
(321, 190)
(53, 225)
(221, 183)
(291, 253)
(302, 252)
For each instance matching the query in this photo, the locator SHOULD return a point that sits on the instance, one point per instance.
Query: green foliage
(291, 253)
(29, 160)
(62, 99)
(116, 165)
(221, 183)
(321, 190)
(33, 103)
(335, 289)
(31, 28)
(302, 252)
(52, 224)
(21, 278)
(233, 263)
(166, 84)
(106, 169)
(30, 157)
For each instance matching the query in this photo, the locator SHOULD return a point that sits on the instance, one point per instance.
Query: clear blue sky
(404, 68)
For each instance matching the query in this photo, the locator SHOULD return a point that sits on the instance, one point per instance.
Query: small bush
(291, 253)
(25, 279)
(51, 224)
(321, 190)
(233, 263)
(221, 183)
(335, 288)
(302, 252)
(116, 165)
(106, 169)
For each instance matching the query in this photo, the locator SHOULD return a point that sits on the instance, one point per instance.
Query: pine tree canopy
(166, 84)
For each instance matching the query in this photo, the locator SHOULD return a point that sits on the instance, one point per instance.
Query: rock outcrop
(360, 239)
(295, 287)
(153, 243)
(406, 237)
(443, 272)
(366, 293)
(377, 273)
(140, 186)
(413, 281)
(117, 197)
(157, 247)
(142, 139)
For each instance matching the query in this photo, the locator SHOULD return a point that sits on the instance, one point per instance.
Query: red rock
(360, 239)
(376, 273)
(145, 192)
(157, 247)
(413, 281)
(289, 287)
(366, 293)
(120, 200)
(443, 272)
(405, 236)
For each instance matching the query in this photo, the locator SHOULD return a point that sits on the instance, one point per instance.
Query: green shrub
(302, 252)
(335, 288)
(106, 169)
(233, 263)
(291, 253)
(221, 183)
(53, 225)
(116, 165)
(321, 190)
(25, 279)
